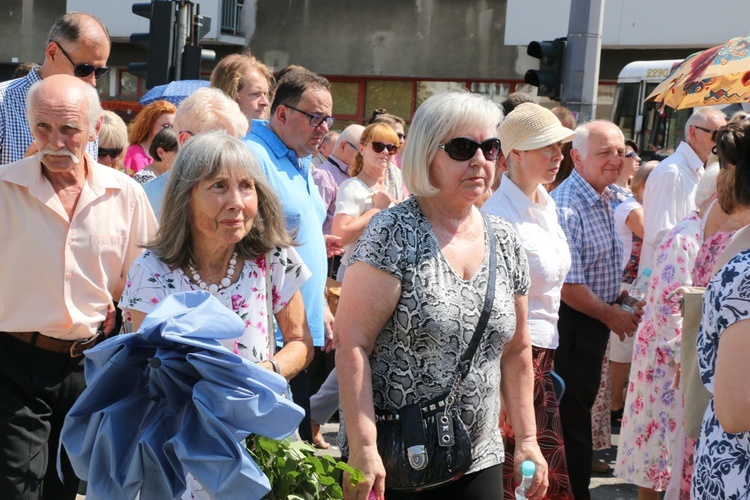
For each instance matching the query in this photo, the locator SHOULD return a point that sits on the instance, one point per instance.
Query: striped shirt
(15, 136)
(587, 218)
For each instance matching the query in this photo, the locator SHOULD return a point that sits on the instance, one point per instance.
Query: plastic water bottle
(637, 291)
(528, 468)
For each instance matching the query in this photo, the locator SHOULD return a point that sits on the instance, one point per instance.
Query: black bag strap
(489, 298)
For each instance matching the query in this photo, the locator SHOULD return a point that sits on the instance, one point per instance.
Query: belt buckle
(90, 342)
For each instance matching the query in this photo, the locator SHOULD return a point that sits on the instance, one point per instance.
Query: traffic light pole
(582, 57)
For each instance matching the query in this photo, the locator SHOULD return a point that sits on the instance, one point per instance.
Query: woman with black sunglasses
(411, 302)
(369, 190)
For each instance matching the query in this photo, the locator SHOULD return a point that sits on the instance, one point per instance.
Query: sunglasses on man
(83, 70)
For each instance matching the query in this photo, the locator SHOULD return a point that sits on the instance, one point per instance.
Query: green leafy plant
(295, 472)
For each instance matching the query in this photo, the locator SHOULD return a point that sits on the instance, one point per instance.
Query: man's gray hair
(71, 26)
(208, 109)
(702, 115)
(581, 139)
(94, 109)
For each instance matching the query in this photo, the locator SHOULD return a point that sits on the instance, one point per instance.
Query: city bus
(657, 132)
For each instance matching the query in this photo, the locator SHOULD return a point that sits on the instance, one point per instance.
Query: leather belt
(73, 348)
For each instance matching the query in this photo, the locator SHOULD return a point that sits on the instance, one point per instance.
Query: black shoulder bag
(426, 444)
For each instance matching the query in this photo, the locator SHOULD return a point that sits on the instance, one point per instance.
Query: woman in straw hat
(531, 138)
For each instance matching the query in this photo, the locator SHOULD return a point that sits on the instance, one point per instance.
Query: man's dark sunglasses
(708, 131)
(462, 149)
(113, 152)
(83, 70)
(315, 120)
(378, 147)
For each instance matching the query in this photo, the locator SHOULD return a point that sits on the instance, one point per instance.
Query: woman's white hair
(437, 120)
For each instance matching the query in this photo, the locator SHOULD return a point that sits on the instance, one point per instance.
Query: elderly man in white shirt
(670, 190)
(531, 138)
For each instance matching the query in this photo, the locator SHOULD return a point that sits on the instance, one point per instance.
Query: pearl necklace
(213, 288)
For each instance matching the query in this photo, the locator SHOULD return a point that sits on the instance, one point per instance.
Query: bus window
(626, 108)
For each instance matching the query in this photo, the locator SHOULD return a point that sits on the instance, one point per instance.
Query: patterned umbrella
(719, 75)
(173, 92)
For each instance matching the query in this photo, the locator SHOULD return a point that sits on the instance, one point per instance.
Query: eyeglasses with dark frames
(111, 152)
(83, 70)
(632, 154)
(462, 149)
(708, 131)
(315, 120)
(378, 147)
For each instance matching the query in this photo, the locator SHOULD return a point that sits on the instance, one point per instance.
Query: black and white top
(416, 354)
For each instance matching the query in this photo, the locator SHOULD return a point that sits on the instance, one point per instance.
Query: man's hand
(624, 323)
(109, 321)
(333, 245)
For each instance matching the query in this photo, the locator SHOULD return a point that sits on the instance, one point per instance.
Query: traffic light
(159, 41)
(193, 55)
(548, 78)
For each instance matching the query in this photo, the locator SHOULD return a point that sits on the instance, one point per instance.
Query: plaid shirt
(587, 218)
(15, 136)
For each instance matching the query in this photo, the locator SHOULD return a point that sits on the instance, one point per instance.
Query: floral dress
(652, 422)
(722, 460)
(709, 253)
(150, 280)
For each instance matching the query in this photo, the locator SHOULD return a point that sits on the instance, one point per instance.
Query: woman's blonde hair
(377, 132)
(438, 119)
(113, 134)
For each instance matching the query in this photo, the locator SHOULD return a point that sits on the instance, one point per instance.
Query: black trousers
(486, 484)
(37, 388)
(578, 360)
(308, 382)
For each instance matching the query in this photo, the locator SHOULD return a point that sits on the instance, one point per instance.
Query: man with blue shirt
(78, 44)
(300, 118)
(590, 295)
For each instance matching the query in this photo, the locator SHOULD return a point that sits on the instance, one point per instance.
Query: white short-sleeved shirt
(622, 212)
(150, 280)
(353, 198)
(546, 249)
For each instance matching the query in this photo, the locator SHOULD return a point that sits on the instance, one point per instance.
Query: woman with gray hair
(222, 230)
(420, 278)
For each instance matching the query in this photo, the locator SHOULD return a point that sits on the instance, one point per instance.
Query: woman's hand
(367, 461)
(529, 450)
(381, 200)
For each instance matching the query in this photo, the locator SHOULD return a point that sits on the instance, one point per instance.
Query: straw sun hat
(531, 126)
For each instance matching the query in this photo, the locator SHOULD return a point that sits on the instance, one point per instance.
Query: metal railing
(231, 11)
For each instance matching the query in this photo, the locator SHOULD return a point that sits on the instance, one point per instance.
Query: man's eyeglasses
(111, 152)
(315, 120)
(462, 149)
(708, 131)
(83, 70)
(378, 147)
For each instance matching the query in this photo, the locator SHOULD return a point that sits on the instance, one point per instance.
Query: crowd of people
(483, 260)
